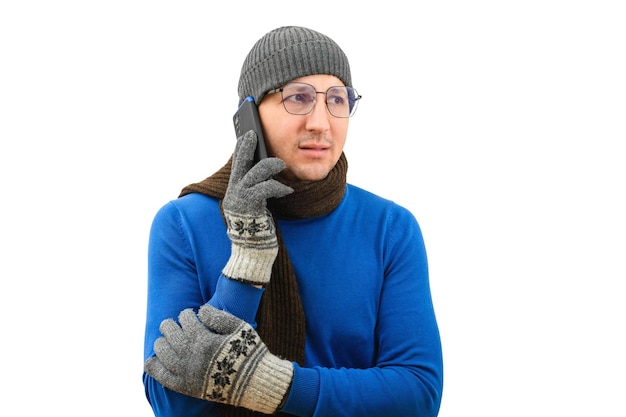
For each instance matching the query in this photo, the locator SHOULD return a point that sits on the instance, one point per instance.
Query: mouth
(314, 146)
(314, 150)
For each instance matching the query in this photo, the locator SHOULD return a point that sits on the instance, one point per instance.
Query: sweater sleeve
(237, 298)
(173, 285)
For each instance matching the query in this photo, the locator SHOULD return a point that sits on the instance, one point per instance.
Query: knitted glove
(224, 361)
(250, 226)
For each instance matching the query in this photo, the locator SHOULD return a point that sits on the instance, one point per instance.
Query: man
(275, 286)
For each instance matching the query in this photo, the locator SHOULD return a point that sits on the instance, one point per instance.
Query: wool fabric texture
(287, 53)
(280, 319)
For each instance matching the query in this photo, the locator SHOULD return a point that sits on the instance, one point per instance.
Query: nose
(317, 119)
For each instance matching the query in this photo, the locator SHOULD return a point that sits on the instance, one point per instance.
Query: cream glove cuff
(251, 266)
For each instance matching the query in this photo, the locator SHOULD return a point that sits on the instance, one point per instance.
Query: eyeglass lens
(300, 98)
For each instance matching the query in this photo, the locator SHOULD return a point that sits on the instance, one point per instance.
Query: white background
(500, 124)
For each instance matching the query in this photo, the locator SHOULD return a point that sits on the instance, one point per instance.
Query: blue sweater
(372, 341)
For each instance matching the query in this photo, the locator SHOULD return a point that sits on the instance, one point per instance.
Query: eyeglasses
(300, 98)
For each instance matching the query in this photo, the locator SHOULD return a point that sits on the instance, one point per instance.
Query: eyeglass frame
(280, 90)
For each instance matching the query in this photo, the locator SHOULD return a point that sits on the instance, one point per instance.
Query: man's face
(309, 144)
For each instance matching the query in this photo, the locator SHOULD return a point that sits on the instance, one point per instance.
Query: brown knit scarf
(280, 319)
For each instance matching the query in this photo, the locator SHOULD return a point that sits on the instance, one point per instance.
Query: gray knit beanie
(287, 53)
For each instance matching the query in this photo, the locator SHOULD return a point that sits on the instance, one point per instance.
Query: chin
(306, 175)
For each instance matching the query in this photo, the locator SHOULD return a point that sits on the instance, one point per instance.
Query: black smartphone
(247, 118)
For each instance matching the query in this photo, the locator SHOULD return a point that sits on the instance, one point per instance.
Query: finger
(187, 317)
(243, 158)
(167, 355)
(156, 370)
(217, 320)
(190, 323)
(269, 188)
(173, 333)
(263, 170)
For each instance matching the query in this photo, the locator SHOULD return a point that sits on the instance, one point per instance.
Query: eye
(336, 100)
(300, 98)
(337, 97)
